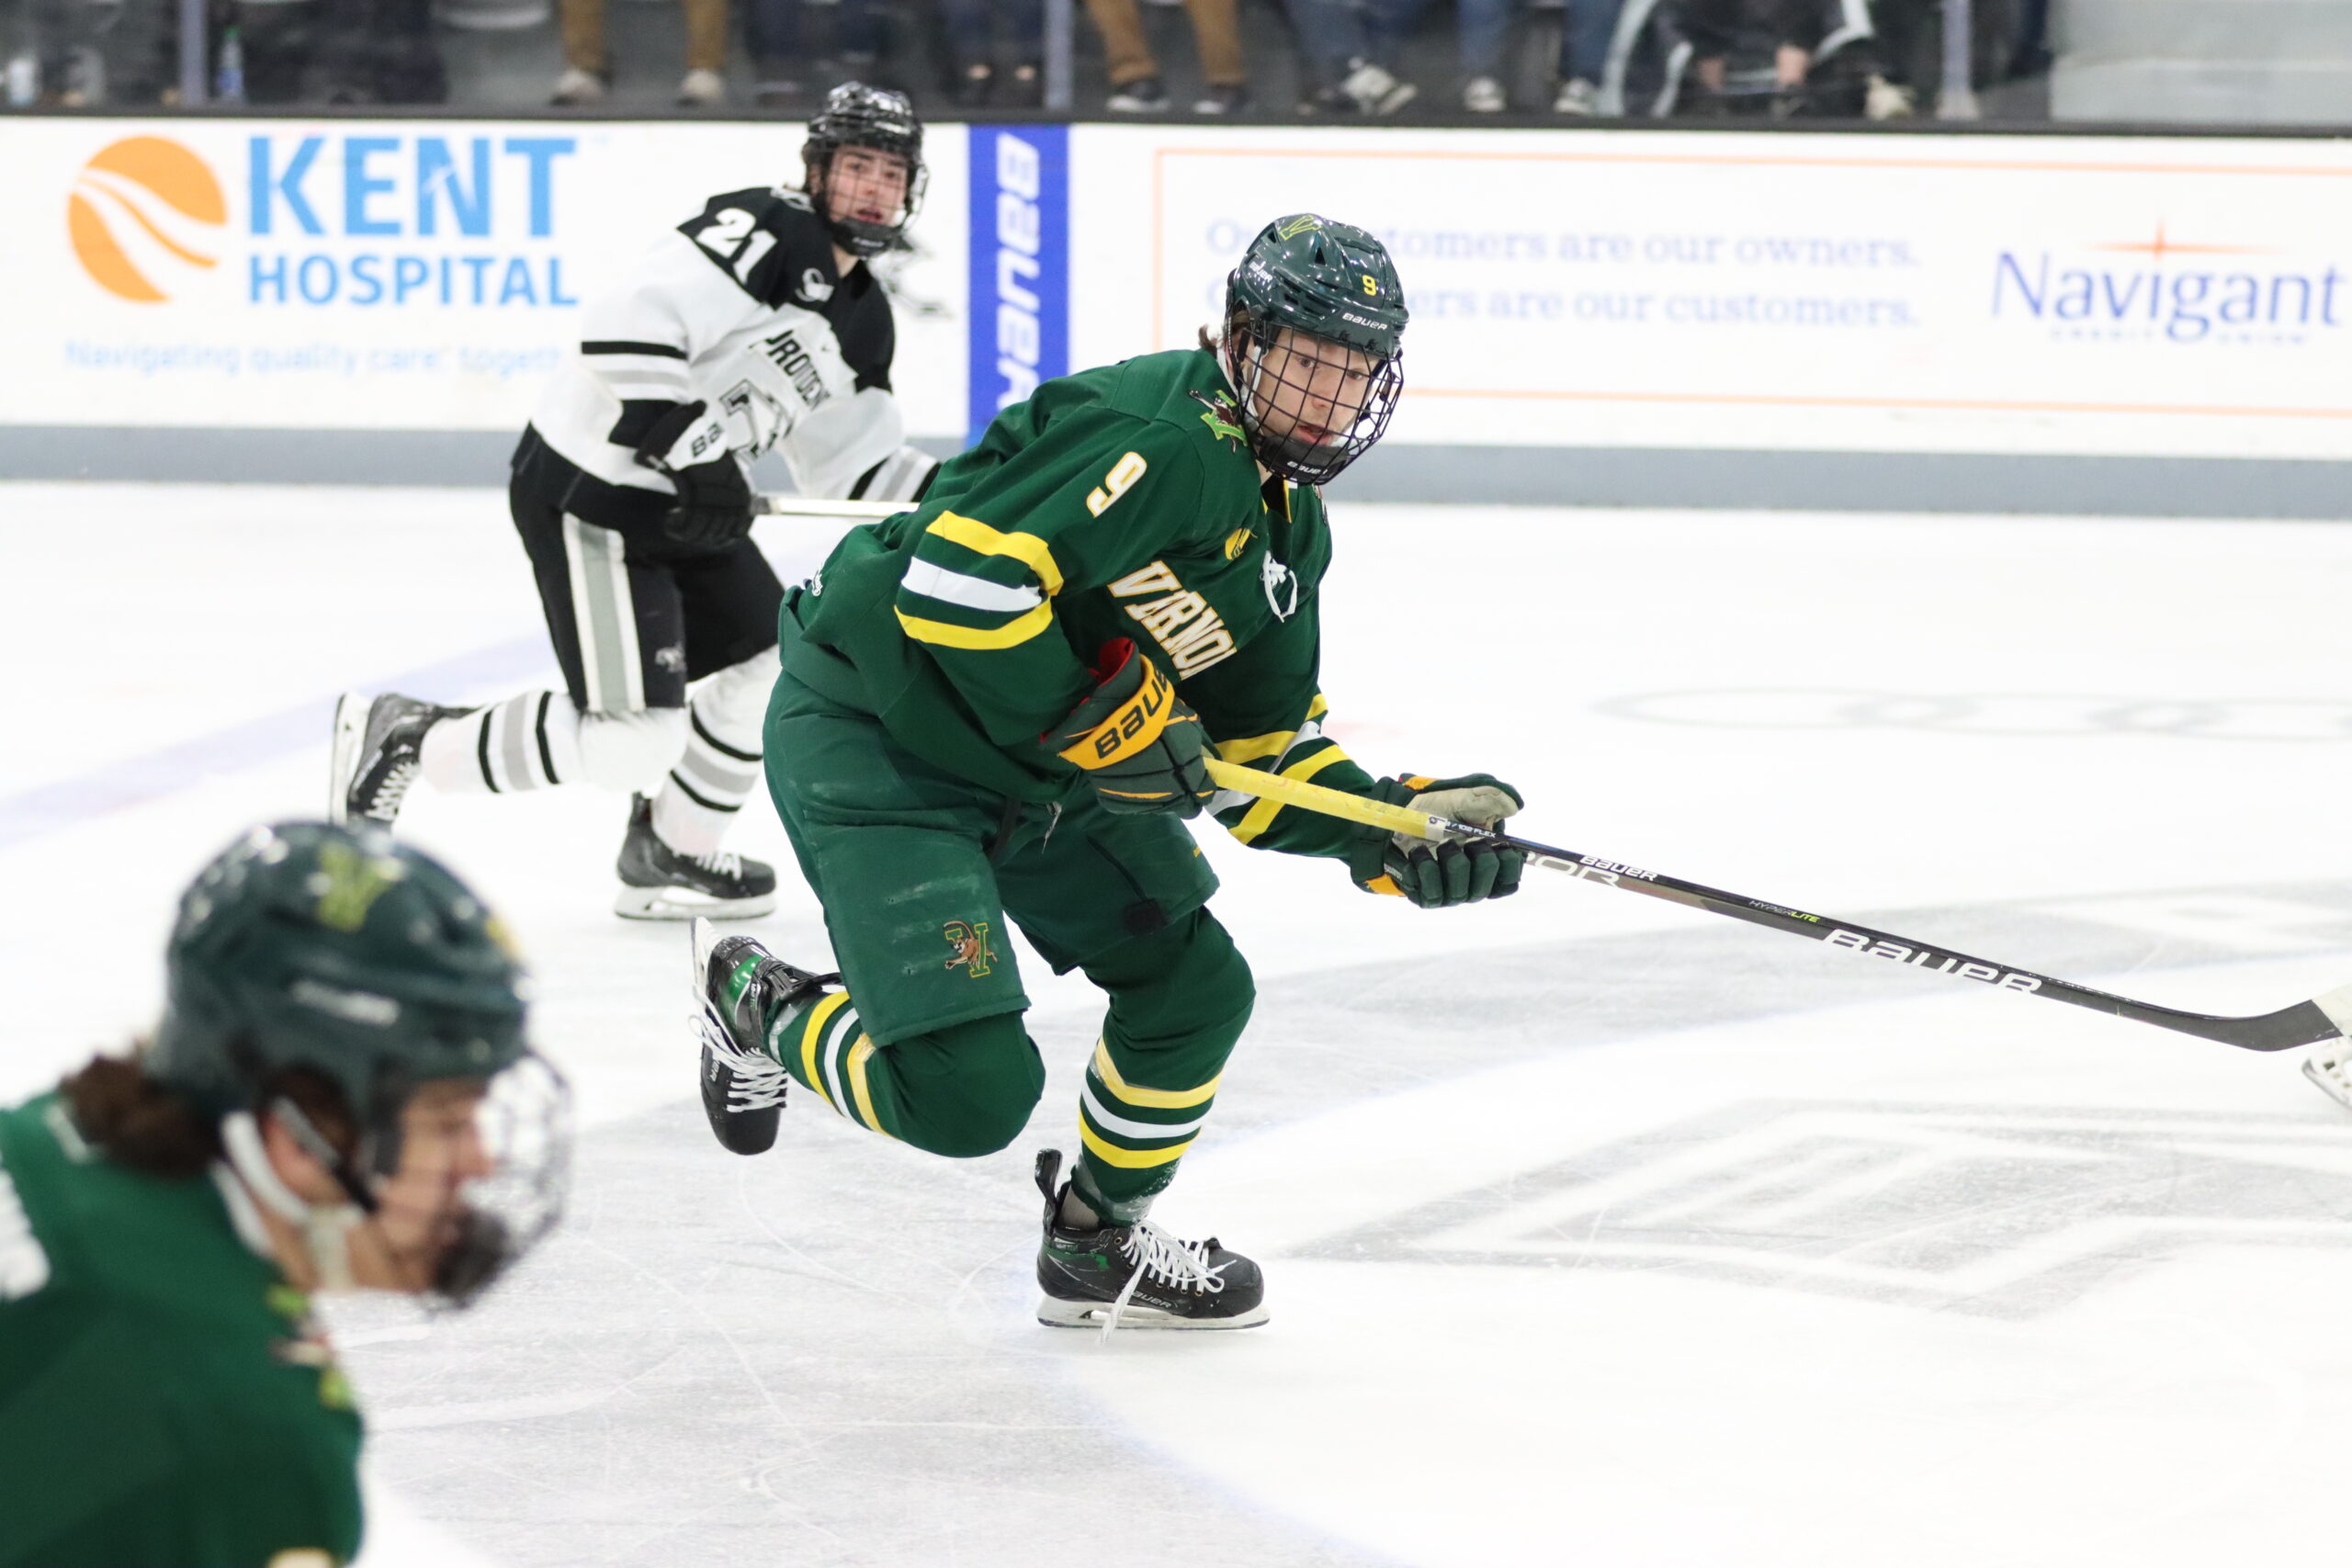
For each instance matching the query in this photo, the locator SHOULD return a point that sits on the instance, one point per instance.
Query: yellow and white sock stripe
(823, 1047)
(1133, 1127)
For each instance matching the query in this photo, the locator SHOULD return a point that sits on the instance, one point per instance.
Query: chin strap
(325, 1227)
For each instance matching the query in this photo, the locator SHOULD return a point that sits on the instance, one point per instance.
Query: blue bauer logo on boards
(1020, 287)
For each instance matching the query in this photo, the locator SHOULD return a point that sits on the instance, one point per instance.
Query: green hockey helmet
(340, 951)
(1335, 283)
(855, 114)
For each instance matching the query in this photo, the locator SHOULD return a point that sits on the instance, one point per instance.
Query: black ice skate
(1137, 1276)
(659, 883)
(736, 984)
(376, 754)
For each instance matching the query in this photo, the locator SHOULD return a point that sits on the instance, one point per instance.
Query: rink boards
(1630, 290)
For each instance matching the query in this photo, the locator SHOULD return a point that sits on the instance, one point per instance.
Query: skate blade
(2334, 1085)
(343, 764)
(677, 904)
(1057, 1314)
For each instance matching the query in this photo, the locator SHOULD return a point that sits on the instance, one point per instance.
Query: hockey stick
(2327, 1017)
(809, 506)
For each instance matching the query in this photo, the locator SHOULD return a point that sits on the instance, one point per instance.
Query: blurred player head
(344, 1024)
(1313, 341)
(863, 161)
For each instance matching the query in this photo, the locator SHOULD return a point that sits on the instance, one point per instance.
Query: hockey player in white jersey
(755, 325)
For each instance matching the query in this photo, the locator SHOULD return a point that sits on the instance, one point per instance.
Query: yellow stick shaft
(1325, 801)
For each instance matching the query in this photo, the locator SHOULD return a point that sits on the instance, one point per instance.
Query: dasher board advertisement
(1985, 294)
(401, 275)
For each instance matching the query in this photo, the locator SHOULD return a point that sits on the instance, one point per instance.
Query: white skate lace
(722, 863)
(1158, 1256)
(385, 803)
(756, 1080)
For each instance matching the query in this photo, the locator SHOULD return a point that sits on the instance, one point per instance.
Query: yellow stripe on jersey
(1129, 1159)
(1011, 635)
(1249, 749)
(812, 1034)
(859, 1055)
(978, 537)
(1148, 1099)
(1262, 815)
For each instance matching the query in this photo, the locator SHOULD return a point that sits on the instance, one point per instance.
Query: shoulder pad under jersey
(770, 241)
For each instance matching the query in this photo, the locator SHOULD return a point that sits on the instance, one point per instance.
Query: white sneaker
(576, 86)
(701, 90)
(1881, 99)
(1576, 97)
(1484, 95)
(1376, 90)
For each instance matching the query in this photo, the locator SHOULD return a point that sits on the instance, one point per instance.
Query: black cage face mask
(1268, 376)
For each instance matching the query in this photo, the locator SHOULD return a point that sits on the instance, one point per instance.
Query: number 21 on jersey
(730, 235)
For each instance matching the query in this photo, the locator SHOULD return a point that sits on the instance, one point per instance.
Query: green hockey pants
(917, 870)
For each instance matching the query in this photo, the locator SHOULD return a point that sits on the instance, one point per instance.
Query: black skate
(1137, 1276)
(736, 982)
(376, 741)
(659, 883)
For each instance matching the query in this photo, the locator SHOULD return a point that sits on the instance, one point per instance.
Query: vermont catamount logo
(968, 948)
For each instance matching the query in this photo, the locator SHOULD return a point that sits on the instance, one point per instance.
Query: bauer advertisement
(1621, 287)
(409, 274)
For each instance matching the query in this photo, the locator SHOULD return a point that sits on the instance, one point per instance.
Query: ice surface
(1598, 1231)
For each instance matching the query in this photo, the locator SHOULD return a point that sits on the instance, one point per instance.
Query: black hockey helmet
(361, 961)
(1333, 282)
(858, 116)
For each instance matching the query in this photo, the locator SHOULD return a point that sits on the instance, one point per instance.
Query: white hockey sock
(720, 765)
(526, 743)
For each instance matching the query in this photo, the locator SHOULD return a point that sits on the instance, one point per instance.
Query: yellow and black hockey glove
(1139, 741)
(1437, 876)
(714, 506)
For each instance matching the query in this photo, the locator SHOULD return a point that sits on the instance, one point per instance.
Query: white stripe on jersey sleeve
(972, 593)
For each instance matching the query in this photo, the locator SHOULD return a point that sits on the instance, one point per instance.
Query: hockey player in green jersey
(338, 1096)
(996, 706)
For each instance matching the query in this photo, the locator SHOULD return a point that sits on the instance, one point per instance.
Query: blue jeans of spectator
(968, 33)
(1334, 33)
(777, 32)
(1338, 31)
(1586, 33)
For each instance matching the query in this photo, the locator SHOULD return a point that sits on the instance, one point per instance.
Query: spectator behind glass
(308, 51)
(1352, 47)
(975, 52)
(50, 52)
(1481, 28)
(1803, 30)
(1587, 30)
(1136, 86)
(588, 71)
(375, 52)
(777, 31)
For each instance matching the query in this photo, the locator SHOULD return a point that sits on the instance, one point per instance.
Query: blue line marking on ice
(135, 781)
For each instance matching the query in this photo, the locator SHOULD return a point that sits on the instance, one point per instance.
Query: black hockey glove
(1139, 741)
(714, 505)
(1437, 876)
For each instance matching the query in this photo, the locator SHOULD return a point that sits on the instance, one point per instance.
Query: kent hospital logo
(145, 217)
(349, 218)
(2005, 1211)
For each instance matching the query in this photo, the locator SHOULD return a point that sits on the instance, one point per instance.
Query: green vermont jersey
(164, 1402)
(1121, 502)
